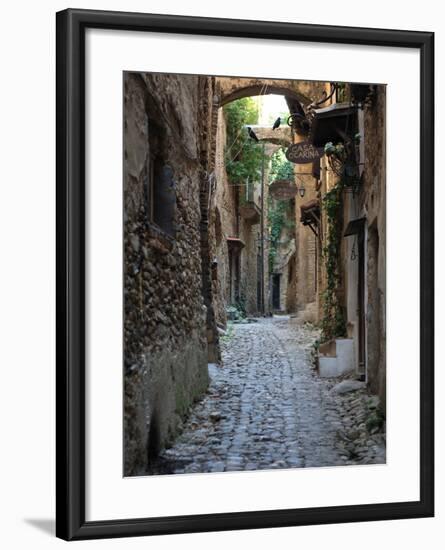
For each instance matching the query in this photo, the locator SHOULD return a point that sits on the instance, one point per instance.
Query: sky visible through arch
(271, 106)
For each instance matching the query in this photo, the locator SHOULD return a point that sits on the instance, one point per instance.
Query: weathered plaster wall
(226, 221)
(375, 207)
(164, 313)
(370, 203)
(223, 224)
(306, 244)
(285, 264)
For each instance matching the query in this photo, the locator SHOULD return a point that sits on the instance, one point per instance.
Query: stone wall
(223, 224)
(165, 324)
(250, 270)
(227, 222)
(375, 208)
(370, 204)
(284, 264)
(367, 203)
(308, 248)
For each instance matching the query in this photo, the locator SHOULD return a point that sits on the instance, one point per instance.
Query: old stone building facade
(365, 251)
(235, 233)
(167, 300)
(362, 227)
(240, 253)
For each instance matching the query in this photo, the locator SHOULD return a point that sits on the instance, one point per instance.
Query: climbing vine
(342, 159)
(276, 217)
(279, 210)
(333, 323)
(281, 168)
(243, 156)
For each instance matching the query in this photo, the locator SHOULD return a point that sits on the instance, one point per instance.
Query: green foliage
(243, 156)
(276, 217)
(375, 421)
(237, 310)
(229, 333)
(343, 160)
(279, 210)
(240, 305)
(342, 94)
(240, 112)
(281, 168)
(333, 323)
(338, 150)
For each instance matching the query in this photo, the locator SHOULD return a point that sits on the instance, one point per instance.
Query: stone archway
(303, 91)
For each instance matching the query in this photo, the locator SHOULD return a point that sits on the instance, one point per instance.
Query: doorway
(276, 282)
(234, 275)
(361, 303)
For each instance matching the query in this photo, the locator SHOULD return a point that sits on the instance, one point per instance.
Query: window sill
(158, 239)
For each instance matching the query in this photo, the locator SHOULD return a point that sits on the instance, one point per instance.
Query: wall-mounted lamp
(301, 191)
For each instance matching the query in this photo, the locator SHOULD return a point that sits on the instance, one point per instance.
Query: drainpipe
(263, 311)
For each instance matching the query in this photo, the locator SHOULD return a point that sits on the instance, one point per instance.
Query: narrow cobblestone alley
(254, 273)
(267, 408)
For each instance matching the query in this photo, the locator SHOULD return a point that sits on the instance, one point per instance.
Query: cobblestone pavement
(267, 408)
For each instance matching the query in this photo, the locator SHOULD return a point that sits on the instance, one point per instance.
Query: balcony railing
(250, 200)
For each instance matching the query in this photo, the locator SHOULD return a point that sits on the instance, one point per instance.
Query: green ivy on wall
(280, 212)
(333, 323)
(243, 156)
(281, 168)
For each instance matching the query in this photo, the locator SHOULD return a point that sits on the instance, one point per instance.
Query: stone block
(331, 365)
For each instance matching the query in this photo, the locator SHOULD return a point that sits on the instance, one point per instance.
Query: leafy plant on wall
(342, 158)
(243, 155)
(333, 323)
(280, 212)
(281, 168)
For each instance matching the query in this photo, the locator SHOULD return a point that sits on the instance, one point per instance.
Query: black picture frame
(70, 172)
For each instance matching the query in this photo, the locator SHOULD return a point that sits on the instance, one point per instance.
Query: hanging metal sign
(303, 152)
(283, 189)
